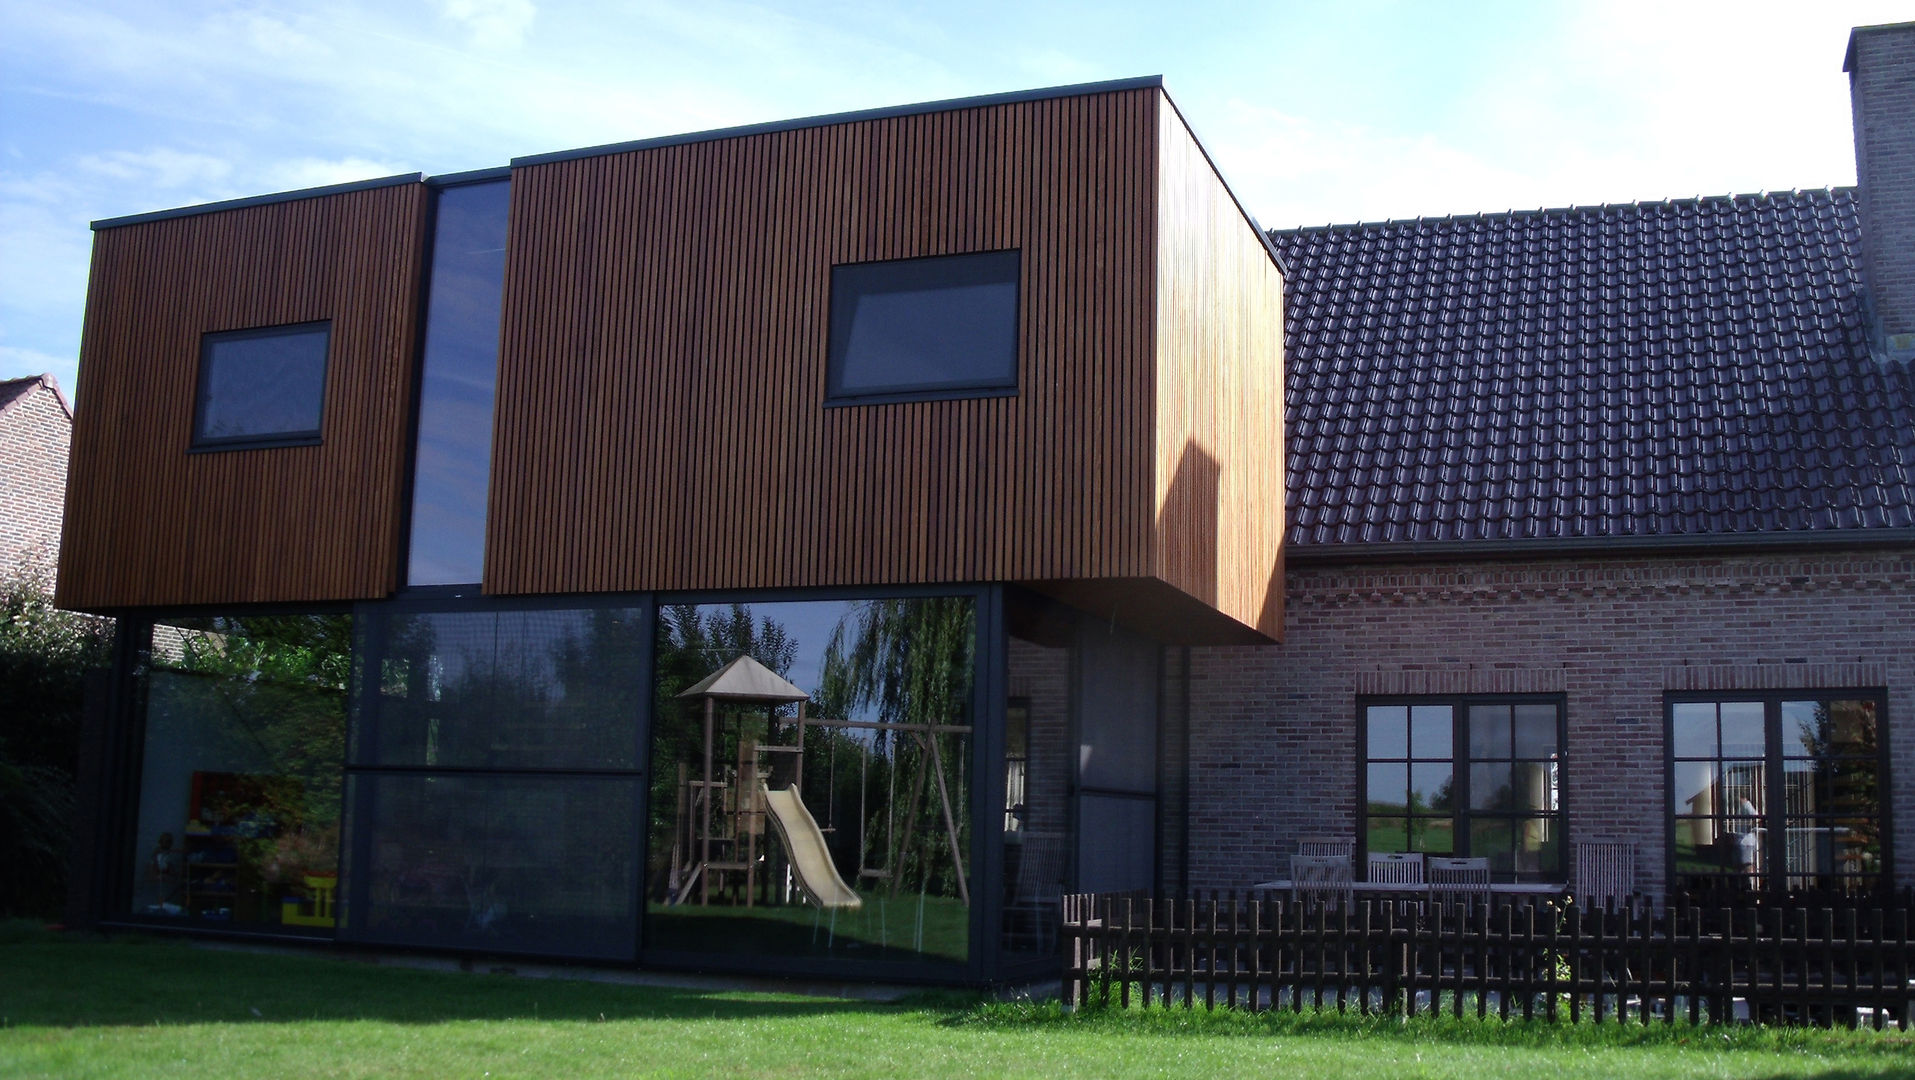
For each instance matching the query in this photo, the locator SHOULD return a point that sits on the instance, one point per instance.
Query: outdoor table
(1533, 889)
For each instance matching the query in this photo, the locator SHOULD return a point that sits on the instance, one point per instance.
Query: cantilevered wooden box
(663, 420)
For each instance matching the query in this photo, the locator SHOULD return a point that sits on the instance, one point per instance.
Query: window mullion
(1775, 796)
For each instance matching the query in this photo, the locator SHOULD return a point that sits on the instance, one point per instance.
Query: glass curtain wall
(1117, 743)
(237, 820)
(812, 795)
(1038, 832)
(495, 778)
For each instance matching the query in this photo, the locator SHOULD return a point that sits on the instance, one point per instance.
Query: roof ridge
(45, 379)
(1830, 191)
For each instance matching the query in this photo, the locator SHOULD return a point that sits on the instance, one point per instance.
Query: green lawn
(883, 929)
(82, 1007)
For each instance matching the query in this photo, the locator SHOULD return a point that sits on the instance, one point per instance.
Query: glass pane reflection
(843, 831)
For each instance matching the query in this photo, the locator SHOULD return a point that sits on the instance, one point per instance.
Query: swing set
(720, 821)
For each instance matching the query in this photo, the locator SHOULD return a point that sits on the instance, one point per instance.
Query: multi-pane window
(1777, 791)
(1466, 776)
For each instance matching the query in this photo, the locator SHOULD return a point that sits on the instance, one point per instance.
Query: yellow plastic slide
(810, 859)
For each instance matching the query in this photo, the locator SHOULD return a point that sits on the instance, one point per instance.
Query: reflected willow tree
(910, 662)
(273, 690)
(1839, 738)
(279, 684)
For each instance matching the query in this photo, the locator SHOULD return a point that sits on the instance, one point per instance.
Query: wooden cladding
(147, 522)
(661, 420)
(1219, 422)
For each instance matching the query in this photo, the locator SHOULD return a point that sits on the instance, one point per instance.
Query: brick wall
(35, 430)
(1882, 92)
(1273, 746)
(1041, 675)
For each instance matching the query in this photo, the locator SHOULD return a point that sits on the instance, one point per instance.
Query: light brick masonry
(36, 428)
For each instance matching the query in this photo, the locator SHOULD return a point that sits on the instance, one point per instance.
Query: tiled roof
(12, 390)
(1672, 369)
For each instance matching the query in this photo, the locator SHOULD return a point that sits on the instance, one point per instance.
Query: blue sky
(1315, 112)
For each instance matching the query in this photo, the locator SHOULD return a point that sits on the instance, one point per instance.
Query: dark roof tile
(1698, 366)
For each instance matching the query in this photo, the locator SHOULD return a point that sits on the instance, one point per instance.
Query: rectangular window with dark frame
(1467, 776)
(261, 387)
(908, 329)
(1777, 791)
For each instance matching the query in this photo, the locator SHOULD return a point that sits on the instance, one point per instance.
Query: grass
(883, 928)
(75, 1006)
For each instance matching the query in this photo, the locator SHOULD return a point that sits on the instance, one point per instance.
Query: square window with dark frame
(909, 329)
(1466, 776)
(1777, 791)
(261, 387)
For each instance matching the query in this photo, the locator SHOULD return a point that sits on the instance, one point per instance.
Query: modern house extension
(656, 553)
(813, 548)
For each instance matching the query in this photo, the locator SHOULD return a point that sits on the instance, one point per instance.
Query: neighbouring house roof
(13, 390)
(1689, 369)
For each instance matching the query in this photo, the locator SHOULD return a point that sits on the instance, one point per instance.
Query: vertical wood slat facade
(1219, 424)
(147, 522)
(662, 422)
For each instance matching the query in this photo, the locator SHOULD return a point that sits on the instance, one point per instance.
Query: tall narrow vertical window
(452, 459)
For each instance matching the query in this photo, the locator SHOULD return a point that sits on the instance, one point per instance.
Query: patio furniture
(1458, 880)
(1605, 874)
(1321, 879)
(1326, 845)
(1037, 890)
(1396, 867)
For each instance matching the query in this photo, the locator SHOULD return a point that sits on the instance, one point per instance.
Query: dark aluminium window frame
(303, 437)
(1461, 813)
(840, 307)
(1775, 873)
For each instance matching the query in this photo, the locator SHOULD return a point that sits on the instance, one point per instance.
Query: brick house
(1081, 533)
(36, 429)
(1645, 469)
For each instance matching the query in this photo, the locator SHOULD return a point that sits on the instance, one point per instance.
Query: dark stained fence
(1771, 963)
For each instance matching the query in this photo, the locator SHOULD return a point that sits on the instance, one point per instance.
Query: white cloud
(493, 24)
(17, 362)
(160, 167)
(319, 172)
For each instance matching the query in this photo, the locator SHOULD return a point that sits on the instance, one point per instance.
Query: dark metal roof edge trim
(1263, 235)
(471, 176)
(1688, 544)
(888, 112)
(258, 200)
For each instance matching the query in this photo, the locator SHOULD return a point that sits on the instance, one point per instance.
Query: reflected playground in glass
(811, 780)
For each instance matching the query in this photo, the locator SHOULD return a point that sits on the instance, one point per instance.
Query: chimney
(1881, 67)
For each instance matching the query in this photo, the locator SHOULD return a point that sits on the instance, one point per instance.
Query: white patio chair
(1326, 845)
(1605, 874)
(1396, 867)
(1321, 879)
(1458, 880)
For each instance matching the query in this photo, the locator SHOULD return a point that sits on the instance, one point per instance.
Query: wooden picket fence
(1771, 963)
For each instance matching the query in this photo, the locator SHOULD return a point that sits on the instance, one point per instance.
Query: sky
(1315, 112)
